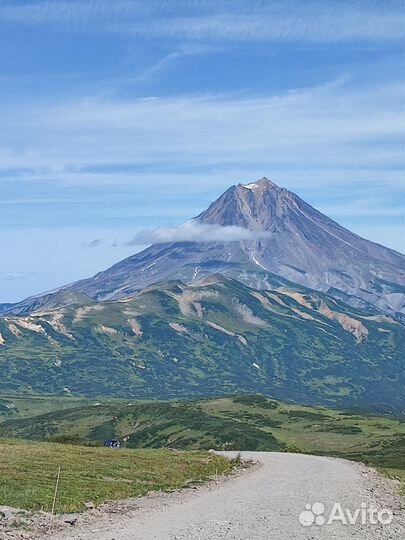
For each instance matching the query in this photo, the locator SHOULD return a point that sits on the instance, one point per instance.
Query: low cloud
(93, 243)
(11, 276)
(97, 242)
(195, 232)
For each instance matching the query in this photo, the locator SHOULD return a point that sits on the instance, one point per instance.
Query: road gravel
(261, 503)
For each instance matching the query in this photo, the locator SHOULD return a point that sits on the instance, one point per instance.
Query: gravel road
(261, 503)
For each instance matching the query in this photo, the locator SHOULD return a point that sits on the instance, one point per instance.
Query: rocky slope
(216, 336)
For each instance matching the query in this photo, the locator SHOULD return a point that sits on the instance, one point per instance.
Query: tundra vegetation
(166, 443)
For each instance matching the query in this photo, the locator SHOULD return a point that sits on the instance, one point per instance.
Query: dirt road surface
(262, 503)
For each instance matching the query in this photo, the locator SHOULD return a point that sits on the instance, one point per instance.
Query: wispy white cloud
(69, 13)
(305, 22)
(334, 127)
(313, 21)
(195, 232)
(169, 60)
(323, 142)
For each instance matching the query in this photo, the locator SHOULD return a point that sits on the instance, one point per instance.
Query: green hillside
(21, 406)
(28, 472)
(243, 422)
(217, 337)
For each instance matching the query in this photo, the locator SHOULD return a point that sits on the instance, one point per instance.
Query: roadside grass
(244, 422)
(28, 473)
(394, 474)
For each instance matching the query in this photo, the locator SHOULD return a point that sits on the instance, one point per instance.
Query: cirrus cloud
(219, 21)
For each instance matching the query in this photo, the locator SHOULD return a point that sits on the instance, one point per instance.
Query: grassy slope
(21, 406)
(162, 344)
(241, 423)
(28, 472)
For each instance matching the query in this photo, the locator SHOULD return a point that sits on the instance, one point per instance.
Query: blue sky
(120, 115)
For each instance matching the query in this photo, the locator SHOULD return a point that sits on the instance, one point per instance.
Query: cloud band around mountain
(195, 232)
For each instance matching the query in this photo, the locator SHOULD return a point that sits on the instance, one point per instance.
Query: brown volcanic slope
(295, 243)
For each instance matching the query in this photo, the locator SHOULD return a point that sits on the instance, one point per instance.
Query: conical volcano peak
(260, 185)
(264, 189)
(253, 206)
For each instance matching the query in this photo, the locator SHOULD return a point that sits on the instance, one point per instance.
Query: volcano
(291, 243)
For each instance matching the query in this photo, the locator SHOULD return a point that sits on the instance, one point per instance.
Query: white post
(54, 497)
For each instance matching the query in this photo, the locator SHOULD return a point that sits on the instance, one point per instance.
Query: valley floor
(261, 503)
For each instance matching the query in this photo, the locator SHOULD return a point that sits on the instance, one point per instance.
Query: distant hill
(244, 422)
